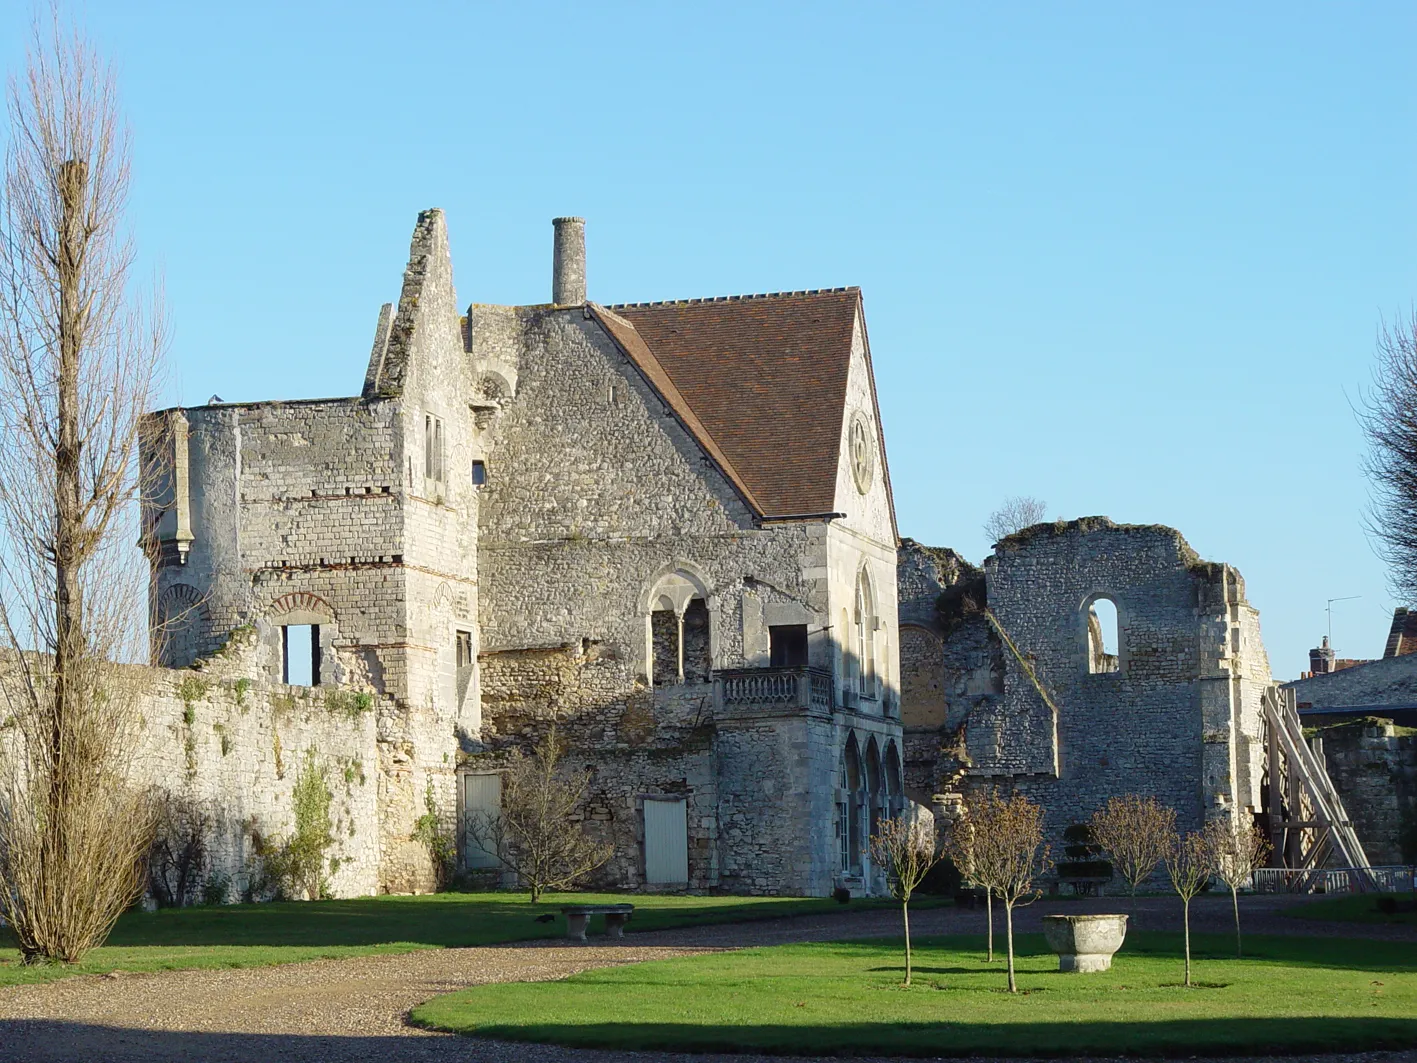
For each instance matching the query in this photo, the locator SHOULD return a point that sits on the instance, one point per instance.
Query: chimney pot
(568, 287)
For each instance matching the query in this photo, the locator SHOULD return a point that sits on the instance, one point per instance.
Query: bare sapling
(1189, 866)
(79, 360)
(1236, 851)
(537, 835)
(1136, 833)
(1015, 514)
(1001, 842)
(907, 849)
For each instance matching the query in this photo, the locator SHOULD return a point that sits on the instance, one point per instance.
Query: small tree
(1001, 842)
(535, 836)
(1235, 852)
(1015, 514)
(907, 849)
(1136, 833)
(1189, 866)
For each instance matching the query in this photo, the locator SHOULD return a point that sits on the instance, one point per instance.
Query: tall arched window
(1103, 636)
(864, 621)
(849, 811)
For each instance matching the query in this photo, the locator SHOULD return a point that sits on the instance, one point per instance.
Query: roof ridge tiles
(703, 300)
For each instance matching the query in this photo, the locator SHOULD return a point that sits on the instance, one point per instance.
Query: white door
(481, 803)
(666, 842)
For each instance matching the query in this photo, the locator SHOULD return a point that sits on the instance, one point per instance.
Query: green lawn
(1289, 994)
(253, 935)
(1356, 908)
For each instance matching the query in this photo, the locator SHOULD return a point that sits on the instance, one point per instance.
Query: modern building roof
(759, 379)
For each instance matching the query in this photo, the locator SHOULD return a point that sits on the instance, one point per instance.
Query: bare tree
(1136, 833)
(79, 355)
(1015, 514)
(536, 835)
(1389, 418)
(1001, 843)
(906, 847)
(1236, 850)
(1189, 866)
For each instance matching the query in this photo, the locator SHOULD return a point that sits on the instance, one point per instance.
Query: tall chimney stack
(568, 264)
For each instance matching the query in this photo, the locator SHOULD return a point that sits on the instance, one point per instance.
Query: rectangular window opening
(788, 645)
(300, 655)
(479, 473)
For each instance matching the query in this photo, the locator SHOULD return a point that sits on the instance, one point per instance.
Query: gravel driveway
(342, 1011)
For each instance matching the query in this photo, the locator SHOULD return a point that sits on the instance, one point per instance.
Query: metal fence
(1390, 879)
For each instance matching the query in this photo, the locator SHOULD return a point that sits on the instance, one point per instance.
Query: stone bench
(578, 918)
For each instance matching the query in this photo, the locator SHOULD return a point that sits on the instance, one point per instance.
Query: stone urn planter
(1084, 943)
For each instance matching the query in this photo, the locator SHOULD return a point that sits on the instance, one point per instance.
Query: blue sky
(1128, 258)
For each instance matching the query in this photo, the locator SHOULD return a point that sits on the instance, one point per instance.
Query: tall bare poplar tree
(79, 355)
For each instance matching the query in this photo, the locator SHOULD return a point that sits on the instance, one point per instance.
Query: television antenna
(1329, 610)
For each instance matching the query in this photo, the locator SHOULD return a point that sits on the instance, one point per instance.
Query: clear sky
(1128, 258)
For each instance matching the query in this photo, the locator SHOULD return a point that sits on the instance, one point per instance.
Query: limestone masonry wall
(1373, 765)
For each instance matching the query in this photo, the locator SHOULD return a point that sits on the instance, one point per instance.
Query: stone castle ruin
(667, 530)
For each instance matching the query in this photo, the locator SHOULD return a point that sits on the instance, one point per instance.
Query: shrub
(297, 864)
(440, 844)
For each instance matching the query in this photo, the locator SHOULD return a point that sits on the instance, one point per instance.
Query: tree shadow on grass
(1173, 1039)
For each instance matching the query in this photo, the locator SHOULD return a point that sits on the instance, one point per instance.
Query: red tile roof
(764, 379)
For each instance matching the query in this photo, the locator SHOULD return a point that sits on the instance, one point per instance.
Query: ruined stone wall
(1180, 719)
(1142, 729)
(1373, 765)
(951, 665)
(235, 749)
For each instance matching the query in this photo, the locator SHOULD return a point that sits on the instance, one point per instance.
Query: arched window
(864, 621)
(849, 811)
(679, 648)
(1103, 644)
(892, 770)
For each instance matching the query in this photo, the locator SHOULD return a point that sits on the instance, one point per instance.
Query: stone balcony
(772, 692)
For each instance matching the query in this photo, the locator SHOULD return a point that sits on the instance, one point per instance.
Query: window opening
(865, 637)
(1102, 637)
(680, 649)
(788, 645)
(464, 663)
(300, 655)
(433, 448)
(479, 473)
(851, 840)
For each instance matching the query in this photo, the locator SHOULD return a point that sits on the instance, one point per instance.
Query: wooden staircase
(1308, 825)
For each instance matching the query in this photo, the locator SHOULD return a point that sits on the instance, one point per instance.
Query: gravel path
(342, 1011)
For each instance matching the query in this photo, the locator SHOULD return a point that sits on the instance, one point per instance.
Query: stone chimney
(1321, 659)
(568, 263)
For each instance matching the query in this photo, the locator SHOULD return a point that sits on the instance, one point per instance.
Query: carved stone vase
(1084, 943)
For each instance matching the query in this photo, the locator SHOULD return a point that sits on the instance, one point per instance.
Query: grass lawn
(1355, 908)
(1288, 994)
(254, 935)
